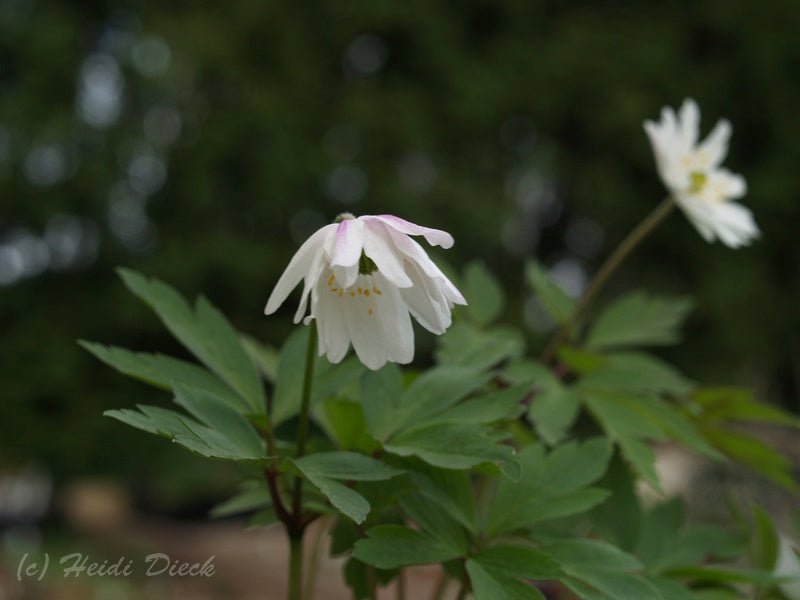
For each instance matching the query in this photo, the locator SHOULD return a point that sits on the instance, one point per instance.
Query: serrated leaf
(205, 332)
(555, 300)
(435, 391)
(486, 297)
(392, 546)
(552, 485)
(553, 411)
(737, 404)
(487, 408)
(264, 357)
(636, 372)
(484, 586)
(467, 346)
(519, 561)
(252, 496)
(435, 521)
(162, 371)
(454, 446)
(323, 468)
(639, 319)
(450, 489)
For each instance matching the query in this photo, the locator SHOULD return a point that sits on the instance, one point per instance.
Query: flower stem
(634, 238)
(295, 566)
(297, 525)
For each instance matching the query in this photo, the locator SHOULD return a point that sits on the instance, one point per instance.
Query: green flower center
(697, 181)
(366, 266)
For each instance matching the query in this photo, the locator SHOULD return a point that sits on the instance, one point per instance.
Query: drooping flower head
(693, 174)
(366, 276)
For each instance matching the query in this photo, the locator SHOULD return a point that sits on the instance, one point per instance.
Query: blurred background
(201, 142)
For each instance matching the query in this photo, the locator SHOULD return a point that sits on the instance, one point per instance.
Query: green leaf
(752, 452)
(345, 465)
(323, 468)
(639, 319)
(264, 357)
(381, 398)
(601, 567)
(468, 346)
(188, 433)
(435, 391)
(636, 372)
(553, 412)
(552, 485)
(252, 496)
(519, 561)
(494, 406)
(737, 404)
(162, 371)
(453, 446)
(486, 297)
(344, 421)
(435, 520)
(484, 586)
(555, 300)
(451, 490)
(151, 419)
(328, 379)
(391, 546)
(764, 542)
(205, 332)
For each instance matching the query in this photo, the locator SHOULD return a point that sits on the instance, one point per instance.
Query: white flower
(692, 173)
(365, 276)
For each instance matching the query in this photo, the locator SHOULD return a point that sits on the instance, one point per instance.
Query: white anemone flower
(366, 276)
(692, 173)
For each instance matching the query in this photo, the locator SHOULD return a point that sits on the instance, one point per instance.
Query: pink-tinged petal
(378, 247)
(297, 268)
(435, 237)
(416, 253)
(348, 243)
(311, 279)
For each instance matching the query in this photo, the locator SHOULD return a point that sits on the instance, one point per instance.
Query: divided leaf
(639, 319)
(206, 333)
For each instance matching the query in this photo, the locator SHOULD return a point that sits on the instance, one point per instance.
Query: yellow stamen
(370, 312)
(377, 291)
(331, 279)
(366, 293)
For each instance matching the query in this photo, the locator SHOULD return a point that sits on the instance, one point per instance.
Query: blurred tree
(202, 142)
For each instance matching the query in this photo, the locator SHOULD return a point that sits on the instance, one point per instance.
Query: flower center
(697, 181)
(366, 266)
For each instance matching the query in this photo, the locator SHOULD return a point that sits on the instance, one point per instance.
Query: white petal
(416, 253)
(426, 302)
(333, 338)
(311, 279)
(729, 222)
(690, 122)
(378, 247)
(348, 243)
(297, 268)
(715, 147)
(435, 237)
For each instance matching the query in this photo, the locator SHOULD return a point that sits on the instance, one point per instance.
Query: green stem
(634, 238)
(401, 585)
(295, 566)
(296, 526)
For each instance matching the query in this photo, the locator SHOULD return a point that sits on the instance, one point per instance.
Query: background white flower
(692, 173)
(365, 277)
